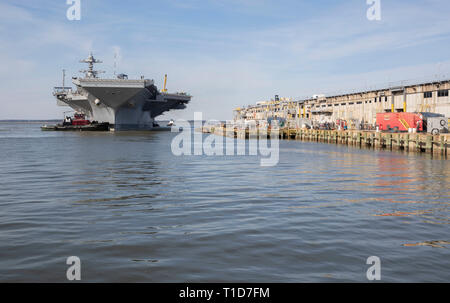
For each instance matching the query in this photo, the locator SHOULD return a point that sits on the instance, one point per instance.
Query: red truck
(399, 121)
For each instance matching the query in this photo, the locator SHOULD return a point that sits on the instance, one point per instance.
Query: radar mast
(90, 72)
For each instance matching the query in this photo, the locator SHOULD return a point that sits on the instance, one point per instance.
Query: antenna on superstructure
(90, 72)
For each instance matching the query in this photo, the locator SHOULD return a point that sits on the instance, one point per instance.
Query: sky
(225, 53)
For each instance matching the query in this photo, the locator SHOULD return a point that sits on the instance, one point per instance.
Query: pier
(410, 142)
(351, 119)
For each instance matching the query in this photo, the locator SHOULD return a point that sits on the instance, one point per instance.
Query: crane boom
(165, 82)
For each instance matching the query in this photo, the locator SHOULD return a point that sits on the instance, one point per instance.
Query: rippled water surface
(132, 211)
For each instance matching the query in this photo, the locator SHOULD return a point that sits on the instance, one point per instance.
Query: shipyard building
(357, 109)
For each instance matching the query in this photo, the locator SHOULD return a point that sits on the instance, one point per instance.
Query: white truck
(435, 123)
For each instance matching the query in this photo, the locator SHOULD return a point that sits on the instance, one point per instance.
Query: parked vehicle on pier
(341, 124)
(435, 123)
(400, 122)
(281, 121)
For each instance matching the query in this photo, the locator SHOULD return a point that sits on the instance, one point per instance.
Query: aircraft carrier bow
(124, 103)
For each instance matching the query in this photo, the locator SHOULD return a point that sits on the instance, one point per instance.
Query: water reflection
(134, 212)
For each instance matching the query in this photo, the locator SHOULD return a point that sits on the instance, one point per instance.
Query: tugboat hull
(91, 127)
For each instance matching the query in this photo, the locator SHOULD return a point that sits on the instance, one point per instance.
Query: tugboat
(77, 123)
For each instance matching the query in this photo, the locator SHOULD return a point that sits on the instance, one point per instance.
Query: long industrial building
(356, 108)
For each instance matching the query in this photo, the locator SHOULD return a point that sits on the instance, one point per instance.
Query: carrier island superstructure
(124, 103)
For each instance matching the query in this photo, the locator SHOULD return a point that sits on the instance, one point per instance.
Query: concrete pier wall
(410, 142)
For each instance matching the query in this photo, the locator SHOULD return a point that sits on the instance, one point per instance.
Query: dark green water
(132, 211)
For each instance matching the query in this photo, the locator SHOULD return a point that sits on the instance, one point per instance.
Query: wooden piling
(408, 142)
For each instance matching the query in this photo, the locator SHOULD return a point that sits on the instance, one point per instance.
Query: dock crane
(164, 90)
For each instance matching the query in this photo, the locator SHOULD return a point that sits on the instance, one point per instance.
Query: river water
(134, 212)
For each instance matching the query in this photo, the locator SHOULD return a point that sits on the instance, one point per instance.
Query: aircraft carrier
(125, 104)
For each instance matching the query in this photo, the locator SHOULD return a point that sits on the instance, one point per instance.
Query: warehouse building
(356, 108)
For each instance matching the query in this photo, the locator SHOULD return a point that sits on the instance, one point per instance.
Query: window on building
(443, 93)
(428, 94)
(385, 99)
